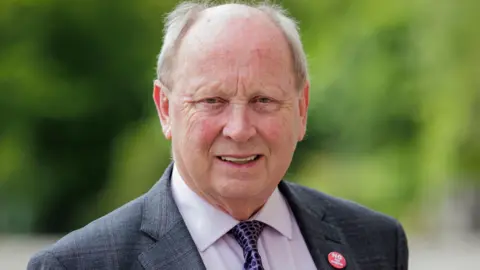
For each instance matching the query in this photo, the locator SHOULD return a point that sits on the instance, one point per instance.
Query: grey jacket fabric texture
(149, 233)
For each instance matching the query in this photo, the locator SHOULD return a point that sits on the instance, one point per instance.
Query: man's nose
(239, 127)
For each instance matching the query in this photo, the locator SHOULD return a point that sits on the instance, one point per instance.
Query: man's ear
(162, 103)
(303, 110)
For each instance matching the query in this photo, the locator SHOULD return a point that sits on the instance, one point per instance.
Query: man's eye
(265, 104)
(212, 100)
(263, 100)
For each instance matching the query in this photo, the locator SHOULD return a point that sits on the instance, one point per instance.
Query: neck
(240, 210)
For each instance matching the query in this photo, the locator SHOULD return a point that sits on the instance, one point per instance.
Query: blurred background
(394, 121)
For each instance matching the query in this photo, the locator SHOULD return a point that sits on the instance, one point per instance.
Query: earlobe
(167, 133)
(162, 104)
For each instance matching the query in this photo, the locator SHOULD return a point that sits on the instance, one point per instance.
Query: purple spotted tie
(246, 233)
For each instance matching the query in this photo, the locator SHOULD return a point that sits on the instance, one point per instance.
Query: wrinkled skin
(234, 94)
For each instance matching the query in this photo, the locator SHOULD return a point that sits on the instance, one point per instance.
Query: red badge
(337, 260)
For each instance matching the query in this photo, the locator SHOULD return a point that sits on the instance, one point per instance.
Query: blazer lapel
(321, 237)
(174, 247)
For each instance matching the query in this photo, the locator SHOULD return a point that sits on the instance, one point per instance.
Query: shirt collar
(207, 224)
(276, 214)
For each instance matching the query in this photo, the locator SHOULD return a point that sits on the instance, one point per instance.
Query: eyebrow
(218, 88)
(209, 88)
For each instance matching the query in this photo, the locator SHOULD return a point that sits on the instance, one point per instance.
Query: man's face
(234, 114)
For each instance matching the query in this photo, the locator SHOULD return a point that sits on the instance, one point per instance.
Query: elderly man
(232, 94)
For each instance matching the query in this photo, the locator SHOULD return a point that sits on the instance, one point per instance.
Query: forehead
(239, 41)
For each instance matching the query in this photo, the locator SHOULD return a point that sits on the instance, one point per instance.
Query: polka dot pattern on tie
(247, 233)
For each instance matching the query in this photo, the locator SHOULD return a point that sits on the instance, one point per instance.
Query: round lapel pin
(337, 260)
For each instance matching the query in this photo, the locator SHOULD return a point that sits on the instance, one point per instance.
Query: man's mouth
(239, 160)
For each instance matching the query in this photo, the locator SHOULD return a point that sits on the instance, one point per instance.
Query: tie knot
(247, 233)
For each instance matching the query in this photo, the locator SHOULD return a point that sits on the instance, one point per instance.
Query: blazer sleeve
(44, 261)
(402, 249)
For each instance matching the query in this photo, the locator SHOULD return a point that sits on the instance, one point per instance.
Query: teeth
(239, 160)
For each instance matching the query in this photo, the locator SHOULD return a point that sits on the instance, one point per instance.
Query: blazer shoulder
(110, 238)
(338, 209)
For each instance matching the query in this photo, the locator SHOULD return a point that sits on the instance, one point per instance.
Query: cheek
(207, 129)
(279, 131)
(201, 130)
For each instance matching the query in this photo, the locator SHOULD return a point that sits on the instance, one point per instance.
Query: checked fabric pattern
(247, 233)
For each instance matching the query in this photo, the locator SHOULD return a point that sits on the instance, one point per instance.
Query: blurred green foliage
(395, 102)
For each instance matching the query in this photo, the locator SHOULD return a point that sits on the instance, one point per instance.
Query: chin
(241, 189)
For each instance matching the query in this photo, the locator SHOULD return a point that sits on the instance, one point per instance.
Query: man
(232, 94)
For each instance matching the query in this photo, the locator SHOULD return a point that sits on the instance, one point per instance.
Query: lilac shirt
(281, 244)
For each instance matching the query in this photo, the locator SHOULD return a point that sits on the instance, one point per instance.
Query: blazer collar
(174, 247)
(321, 237)
(161, 220)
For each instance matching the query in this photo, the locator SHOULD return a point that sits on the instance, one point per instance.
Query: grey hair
(184, 16)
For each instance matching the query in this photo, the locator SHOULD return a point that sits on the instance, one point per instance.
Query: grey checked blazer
(149, 233)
